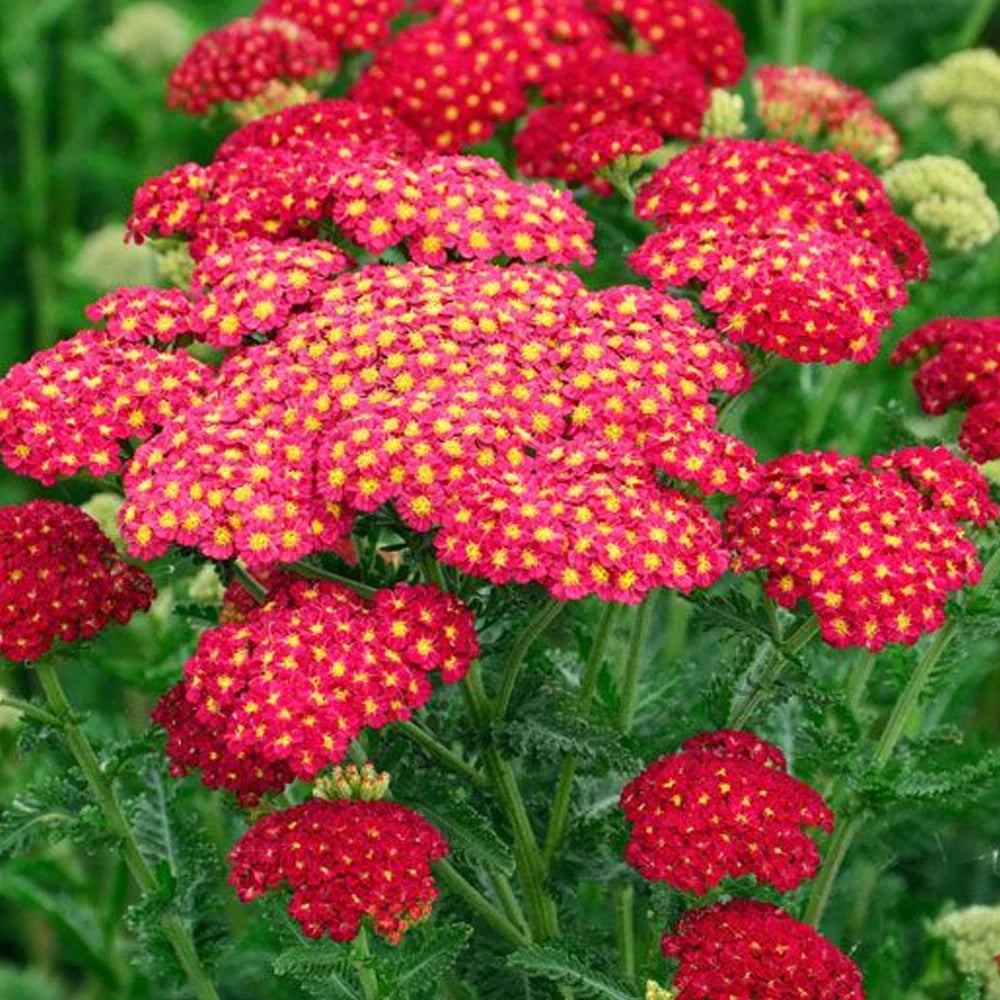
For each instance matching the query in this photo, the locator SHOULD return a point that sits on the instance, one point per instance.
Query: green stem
(544, 617)
(975, 23)
(625, 905)
(172, 925)
(479, 904)
(857, 679)
(768, 17)
(314, 572)
(822, 406)
(508, 901)
(595, 659)
(741, 713)
(633, 663)
(835, 854)
(790, 34)
(32, 711)
(435, 748)
(362, 964)
(250, 583)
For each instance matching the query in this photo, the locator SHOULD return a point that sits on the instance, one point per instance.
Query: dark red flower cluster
(747, 950)
(527, 417)
(287, 689)
(239, 60)
(875, 552)
(344, 860)
(344, 24)
(723, 807)
(802, 103)
(960, 365)
(60, 578)
(462, 206)
(797, 252)
(602, 146)
(70, 408)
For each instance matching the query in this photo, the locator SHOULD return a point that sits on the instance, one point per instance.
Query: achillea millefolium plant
(502, 658)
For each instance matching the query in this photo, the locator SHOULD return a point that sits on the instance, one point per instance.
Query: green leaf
(560, 966)
(324, 970)
(419, 972)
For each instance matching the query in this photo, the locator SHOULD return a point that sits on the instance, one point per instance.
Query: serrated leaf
(560, 966)
(417, 972)
(324, 970)
(469, 833)
(562, 734)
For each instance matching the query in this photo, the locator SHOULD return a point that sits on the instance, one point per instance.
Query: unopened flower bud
(348, 781)
(724, 115)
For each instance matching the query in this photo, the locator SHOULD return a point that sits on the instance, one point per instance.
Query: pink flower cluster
(959, 363)
(722, 807)
(60, 578)
(876, 552)
(797, 252)
(344, 860)
(285, 691)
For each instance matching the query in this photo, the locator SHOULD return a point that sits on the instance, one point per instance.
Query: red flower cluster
(345, 24)
(463, 206)
(960, 364)
(723, 807)
(746, 950)
(344, 860)
(70, 407)
(286, 690)
(606, 144)
(798, 252)
(143, 313)
(239, 60)
(60, 578)
(802, 103)
(875, 552)
(526, 416)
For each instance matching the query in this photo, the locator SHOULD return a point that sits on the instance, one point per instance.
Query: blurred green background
(83, 122)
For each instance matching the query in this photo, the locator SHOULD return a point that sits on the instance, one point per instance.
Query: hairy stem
(625, 907)
(544, 617)
(436, 749)
(362, 964)
(173, 927)
(857, 679)
(250, 583)
(312, 571)
(633, 663)
(479, 904)
(975, 23)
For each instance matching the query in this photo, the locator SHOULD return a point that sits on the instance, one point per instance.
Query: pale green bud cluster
(206, 587)
(946, 199)
(151, 36)
(966, 86)
(353, 782)
(106, 261)
(724, 116)
(103, 508)
(174, 263)
(654, 991)
(974, 936)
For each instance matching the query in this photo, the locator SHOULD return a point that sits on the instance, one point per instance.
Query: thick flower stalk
(722, 807)
(959, 362)
(344, 860)
(745, 950)
(876, 552)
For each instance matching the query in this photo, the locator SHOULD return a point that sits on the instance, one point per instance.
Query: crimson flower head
(344, 860)
(959, 363)
(143, 313)
(70, 407)
(722, 807)
(342, 24)
(876, 552)
(60, 578)
(239, 60)
(287, 689)
(746, 950)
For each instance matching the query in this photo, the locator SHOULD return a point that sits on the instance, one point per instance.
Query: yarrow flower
(70, 408)
(345, 24)
(60, 578)
(947, 199)
(966, 86)
(960, 365)
(240, 59)
(607, 145)
(797, 252)
(876, 552)
(722, 807)
(344, 860)
(143, 313)
(525, 416)
(973, 934)
(745, 950)
(285, 691)
(802, 103)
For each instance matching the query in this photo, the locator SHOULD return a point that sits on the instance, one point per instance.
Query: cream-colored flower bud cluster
(276, 96)
(966, 86)
(946, 199)
(151, 36)
(974, 936)
(105, 261)
(654, 991)
(724, 115)
(352, 782)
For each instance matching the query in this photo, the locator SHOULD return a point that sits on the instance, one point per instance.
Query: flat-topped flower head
(344, 860)
(343, 24)
(239, 60)
(959, 364)
(60, 578)
(71, 407)
(746, 950)
(724, 806)
(876, 552)
(529, 419)
(143, 313)
(803, 103)
(286, 690)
